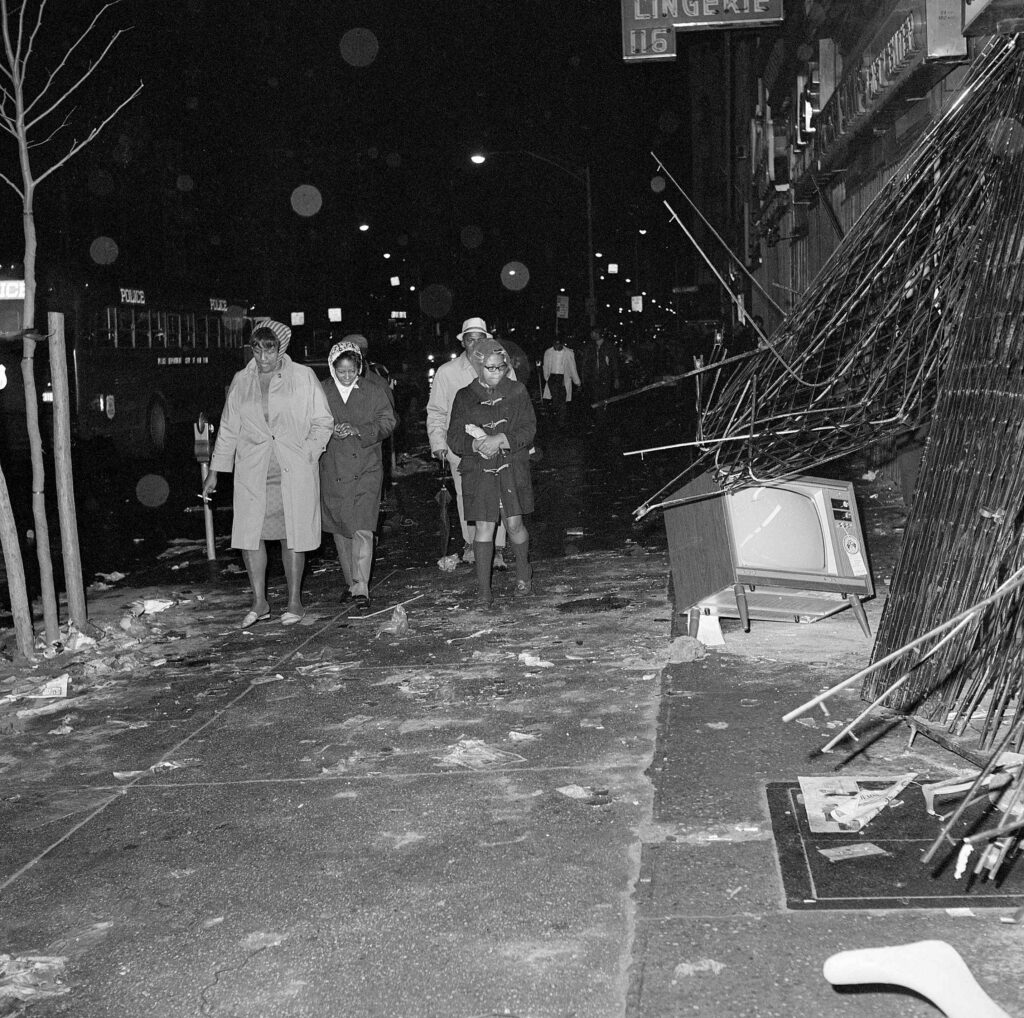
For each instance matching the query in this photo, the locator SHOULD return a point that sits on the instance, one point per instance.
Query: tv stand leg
(858, 611)
(741, 604)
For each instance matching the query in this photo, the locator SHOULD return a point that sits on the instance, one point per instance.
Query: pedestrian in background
(448, 380)
(378, 375)
(352, 469)
(599, 367)
(275, 425)
(491, 430)
(560, 375)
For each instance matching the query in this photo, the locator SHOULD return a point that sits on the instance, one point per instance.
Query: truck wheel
(155, 435)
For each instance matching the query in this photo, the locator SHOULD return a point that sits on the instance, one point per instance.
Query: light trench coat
(299, 428)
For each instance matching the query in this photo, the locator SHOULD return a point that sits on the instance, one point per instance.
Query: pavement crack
(204, 1005)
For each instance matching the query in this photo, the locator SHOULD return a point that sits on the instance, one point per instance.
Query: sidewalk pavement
(538, 813)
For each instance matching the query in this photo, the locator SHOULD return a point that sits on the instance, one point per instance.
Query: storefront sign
(649, 26)
(917, 32)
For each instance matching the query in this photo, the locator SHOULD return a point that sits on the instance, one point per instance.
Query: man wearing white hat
(448, 379)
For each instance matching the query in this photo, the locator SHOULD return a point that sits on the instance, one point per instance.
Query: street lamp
(581, 177)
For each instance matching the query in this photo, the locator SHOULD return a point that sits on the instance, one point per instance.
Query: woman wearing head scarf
(492, 427)
(352, 470)
(274, 428)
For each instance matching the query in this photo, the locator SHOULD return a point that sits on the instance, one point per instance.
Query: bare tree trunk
(15, 572)
(51, 619)
(63, 473)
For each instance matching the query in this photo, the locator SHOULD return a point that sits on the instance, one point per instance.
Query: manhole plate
(593, 604)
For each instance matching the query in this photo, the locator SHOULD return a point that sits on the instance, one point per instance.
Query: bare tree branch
(35, 31)
(17, 190)
(78, 146)
(53, 134)
(63, 63)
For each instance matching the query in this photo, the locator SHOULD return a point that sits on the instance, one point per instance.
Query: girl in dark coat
(492, 428)
(351, 470)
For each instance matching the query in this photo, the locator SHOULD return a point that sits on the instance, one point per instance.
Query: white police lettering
(132, 296)
(216, 304)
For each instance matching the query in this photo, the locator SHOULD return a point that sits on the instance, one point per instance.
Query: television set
(786, 551)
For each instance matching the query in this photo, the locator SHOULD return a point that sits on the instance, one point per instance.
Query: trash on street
(31, 977)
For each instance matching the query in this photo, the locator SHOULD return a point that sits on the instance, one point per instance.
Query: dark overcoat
(351, 470)
(505, 408)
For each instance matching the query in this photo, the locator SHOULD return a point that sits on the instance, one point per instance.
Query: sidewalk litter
(31, 977)
(845, 805)
(57, 687)
(398, 624)
(532, 661)
(476, 755)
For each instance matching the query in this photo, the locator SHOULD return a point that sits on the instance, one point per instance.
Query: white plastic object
(932, 968)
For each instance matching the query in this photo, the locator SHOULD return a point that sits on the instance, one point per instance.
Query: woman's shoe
(346, 596)
(362, 602)
(252, 618)
(524, 588)
(291, 618)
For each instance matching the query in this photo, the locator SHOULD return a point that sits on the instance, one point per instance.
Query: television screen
(777, 528)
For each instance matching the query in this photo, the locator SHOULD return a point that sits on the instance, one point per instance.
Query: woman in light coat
(275, 426)
(352, 469)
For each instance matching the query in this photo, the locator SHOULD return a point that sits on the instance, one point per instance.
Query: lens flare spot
(472, 237)
(515, 276)
(436, 300)
(359, 47)
(393, 160)
(185, 182)
(152, 490)
(1006, 138)
(658, 184)
(104, 251)
(306, 200)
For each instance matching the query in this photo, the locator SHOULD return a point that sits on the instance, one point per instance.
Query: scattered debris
(448, 563)
(31, 977)
(532, 661)
(522, 736)
(859, 850)
(686, 969)
(574, 532)
(150, 606)
(113, 577)
(838, 805)
(157, 768)
(476, 755)
(718, 726)
(472, 636)
(398, 625)
(56, 687)
(262, 680)
(589, 796)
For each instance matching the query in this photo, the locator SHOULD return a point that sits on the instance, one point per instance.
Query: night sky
(363, 112)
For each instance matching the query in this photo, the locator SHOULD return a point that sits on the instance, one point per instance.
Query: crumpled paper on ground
(150, 605)
(31, 977)
(448, 563)
(476, 755)
(398, 624)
